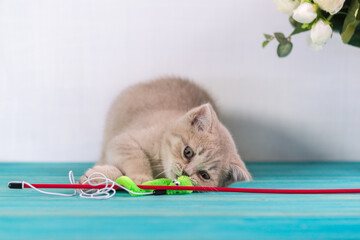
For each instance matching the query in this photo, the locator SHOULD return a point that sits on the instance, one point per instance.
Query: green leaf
(281, 38)
(349, 32)
(299, 29)
(284, 49)
(293, 22)
(268, 37)
(355, 40)
(351, 22)
(265, 43)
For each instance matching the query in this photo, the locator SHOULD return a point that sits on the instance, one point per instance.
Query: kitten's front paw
(86, 175)
(139, 179)
(110, 172)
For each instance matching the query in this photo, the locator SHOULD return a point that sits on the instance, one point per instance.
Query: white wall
(63, 62)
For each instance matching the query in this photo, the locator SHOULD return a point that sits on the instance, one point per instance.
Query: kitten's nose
(187, 172)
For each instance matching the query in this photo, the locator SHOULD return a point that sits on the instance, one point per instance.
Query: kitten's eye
(204, 175)
(188, 152)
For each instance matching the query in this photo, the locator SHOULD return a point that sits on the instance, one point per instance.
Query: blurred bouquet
(321, 18)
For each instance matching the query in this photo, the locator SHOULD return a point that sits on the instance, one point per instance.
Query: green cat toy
(180, 181)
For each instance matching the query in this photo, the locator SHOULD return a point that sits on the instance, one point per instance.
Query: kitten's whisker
(160, 174)
(158, 168)
(194, 182)
(157, 165)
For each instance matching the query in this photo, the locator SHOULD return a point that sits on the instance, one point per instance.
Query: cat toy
(98, 186)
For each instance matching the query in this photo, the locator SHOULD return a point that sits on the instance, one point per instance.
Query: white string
(103, 193)
(71, 179)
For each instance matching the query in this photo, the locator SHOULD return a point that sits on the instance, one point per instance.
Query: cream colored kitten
(167, 128)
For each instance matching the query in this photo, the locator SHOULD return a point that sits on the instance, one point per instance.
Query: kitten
(168, 128)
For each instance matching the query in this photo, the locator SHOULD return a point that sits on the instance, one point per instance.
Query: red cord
(206, 189)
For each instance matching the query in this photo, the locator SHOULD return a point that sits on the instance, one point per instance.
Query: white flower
(331, 6)
(320, 32)
(287, 6)
(305, 13)
(313, 46)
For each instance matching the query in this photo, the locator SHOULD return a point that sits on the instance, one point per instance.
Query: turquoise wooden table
(25, 214)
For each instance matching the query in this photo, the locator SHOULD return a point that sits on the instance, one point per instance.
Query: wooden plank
(25, 214)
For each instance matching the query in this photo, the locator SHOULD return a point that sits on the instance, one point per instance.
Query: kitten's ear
(202, 118)
(237, 173)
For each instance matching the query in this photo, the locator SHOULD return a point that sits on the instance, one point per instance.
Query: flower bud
(320, 32)
(287, 6)
(313, 46)
(331, 6)
(305, 13)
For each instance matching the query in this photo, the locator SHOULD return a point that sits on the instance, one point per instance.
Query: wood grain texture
(25, 214)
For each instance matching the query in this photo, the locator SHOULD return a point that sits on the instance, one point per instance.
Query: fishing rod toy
(98, 186)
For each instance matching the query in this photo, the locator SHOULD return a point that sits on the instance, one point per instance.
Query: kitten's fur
(149, 126)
